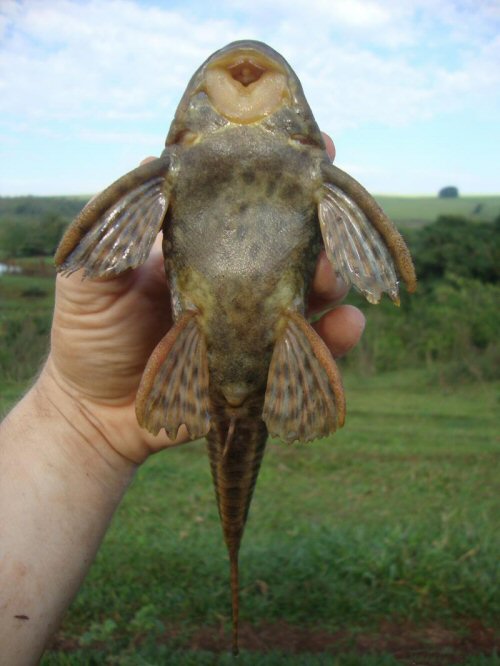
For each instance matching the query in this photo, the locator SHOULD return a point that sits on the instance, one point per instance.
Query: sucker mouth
(246, 72)
(246, 87)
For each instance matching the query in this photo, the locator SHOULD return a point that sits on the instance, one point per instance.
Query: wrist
(75, 427)
(60, 484)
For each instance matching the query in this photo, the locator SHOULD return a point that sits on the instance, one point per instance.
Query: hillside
(409, 211)
(406, 211)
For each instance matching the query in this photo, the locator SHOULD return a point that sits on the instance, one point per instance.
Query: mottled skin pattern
(241, 246)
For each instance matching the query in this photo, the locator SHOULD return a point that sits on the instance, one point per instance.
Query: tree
(453, 245)
(448, 192)
(12, 237)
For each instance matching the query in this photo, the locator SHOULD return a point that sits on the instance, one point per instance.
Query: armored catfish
(245, 196)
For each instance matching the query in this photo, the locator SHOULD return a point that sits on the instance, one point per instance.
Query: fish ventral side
(245, 196)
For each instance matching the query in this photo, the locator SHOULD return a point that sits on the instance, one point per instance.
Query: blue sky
(409, 90)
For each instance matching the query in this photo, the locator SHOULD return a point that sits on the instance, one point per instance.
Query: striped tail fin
(235, 447)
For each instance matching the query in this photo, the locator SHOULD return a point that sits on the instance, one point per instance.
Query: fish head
(245, 83)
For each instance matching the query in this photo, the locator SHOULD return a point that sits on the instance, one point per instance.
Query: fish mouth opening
(246, 87)
(246, 72)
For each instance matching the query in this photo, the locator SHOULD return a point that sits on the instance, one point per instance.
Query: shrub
(448, 192)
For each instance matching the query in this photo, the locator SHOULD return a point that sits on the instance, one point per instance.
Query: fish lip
(246, 81)
(259, 57)
(255, 51)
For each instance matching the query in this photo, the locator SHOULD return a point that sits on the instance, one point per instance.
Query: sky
(409, 90)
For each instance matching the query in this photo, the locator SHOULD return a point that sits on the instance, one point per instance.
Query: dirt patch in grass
(430, 645)
(414, 645)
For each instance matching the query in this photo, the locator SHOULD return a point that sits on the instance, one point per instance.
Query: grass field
(406, 211)
(26, 305)
(415, 211)
(377, 547)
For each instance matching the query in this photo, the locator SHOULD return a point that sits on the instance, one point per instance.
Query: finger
(151, 277)
(327, 288)
(155, 259)
(79, 292)
(341, 329)
(329, 145)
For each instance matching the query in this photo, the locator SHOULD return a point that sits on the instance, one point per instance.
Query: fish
(246, 197)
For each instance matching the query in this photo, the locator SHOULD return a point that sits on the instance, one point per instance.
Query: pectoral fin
(304, 397)
(117, 228)
(174, 386)
(362, 244)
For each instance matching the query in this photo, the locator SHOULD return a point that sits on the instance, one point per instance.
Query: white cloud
(359, 59)
(68, 59)
(105, 70)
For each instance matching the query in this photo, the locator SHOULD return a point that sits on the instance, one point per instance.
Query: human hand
(340, 327)
(105, 330)
(103, 333)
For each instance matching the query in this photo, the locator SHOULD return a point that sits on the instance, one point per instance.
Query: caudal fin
(235, 463)
(235, 598)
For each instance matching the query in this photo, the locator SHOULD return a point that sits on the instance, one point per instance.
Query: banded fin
(304, 397)
(174, 386)
(235, 469)
(362, 244)
(118, 227)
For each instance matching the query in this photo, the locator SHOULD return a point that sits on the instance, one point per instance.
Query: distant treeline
(455, 246)
(33, 226)
(451, 324)
(415, 211)
(30, 208)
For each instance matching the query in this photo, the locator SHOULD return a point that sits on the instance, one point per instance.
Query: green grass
(391, 524)
(409, 211)
(16, 290)
(10, 392)
(376, 547)
(202, 658)
(26, 305)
